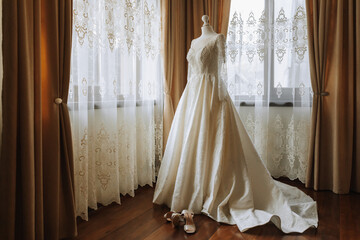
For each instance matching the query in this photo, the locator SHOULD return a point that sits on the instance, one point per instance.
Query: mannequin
(207, 32)
(206, 29)
(210, 164)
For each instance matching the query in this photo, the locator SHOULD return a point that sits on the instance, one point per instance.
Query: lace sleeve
(221, 47)
(190, 73)
(222, 67)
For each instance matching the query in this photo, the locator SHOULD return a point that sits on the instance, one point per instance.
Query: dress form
(210, 164)
(207, 32)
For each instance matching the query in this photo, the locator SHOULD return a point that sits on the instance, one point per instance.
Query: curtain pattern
(269, 80)
(115, 99)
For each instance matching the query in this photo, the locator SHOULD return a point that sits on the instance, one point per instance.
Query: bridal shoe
(189, 226)
(174, 218)
(167, 216)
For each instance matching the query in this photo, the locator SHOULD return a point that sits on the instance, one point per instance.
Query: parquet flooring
(139, 218)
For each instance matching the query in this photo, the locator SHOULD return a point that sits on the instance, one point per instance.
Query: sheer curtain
(115, 98)
(269, 80)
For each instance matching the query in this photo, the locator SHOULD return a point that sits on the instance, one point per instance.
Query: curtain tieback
(58, 101)
(322, 93)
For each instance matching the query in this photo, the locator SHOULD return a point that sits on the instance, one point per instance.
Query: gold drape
(181, 22)
(36, 176)
(334, 50)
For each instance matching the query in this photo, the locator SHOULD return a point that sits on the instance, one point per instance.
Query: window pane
(291, 60)
(246, 48)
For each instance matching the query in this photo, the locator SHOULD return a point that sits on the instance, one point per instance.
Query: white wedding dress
(210, 165)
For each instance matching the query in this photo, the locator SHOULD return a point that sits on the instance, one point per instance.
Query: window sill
(111, 104)
(271, 104)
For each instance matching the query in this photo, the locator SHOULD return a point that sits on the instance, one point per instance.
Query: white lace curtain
(269, 80)
(115, 98)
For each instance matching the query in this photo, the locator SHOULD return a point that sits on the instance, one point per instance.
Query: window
(268, 72)
(116, 77)
(267, 53)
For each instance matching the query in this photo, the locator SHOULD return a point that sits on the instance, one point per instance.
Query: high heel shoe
(174, 217)
(167, 216)
(189, 226)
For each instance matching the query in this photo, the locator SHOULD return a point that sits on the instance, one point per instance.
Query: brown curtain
(334, 49)
(181, 23)
(36, 176)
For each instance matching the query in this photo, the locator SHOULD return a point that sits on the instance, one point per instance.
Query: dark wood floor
(139, 218)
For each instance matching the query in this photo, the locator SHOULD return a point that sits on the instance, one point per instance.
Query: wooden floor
(139, 218)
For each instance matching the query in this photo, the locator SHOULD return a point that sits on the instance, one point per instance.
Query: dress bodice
(206, 59)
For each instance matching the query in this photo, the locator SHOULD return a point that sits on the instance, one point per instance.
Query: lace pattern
(115, 99)
(268, 65)
(284, 139)
(251, 36)
(210, 60)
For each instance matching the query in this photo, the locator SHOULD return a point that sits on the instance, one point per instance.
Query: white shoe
(189, 226)
(167, 216)
(174, 217)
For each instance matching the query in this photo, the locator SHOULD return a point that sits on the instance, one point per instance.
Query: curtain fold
(334, 43)
(219, 12)
(181, 23)
(36, 159)
(56, 32)
(355, 175)
(20, 163)
(1, 71)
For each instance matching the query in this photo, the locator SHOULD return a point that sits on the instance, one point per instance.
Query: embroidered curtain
(115, 98)
(269, 80)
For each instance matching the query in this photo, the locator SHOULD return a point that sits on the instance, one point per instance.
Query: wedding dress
(210, 165)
